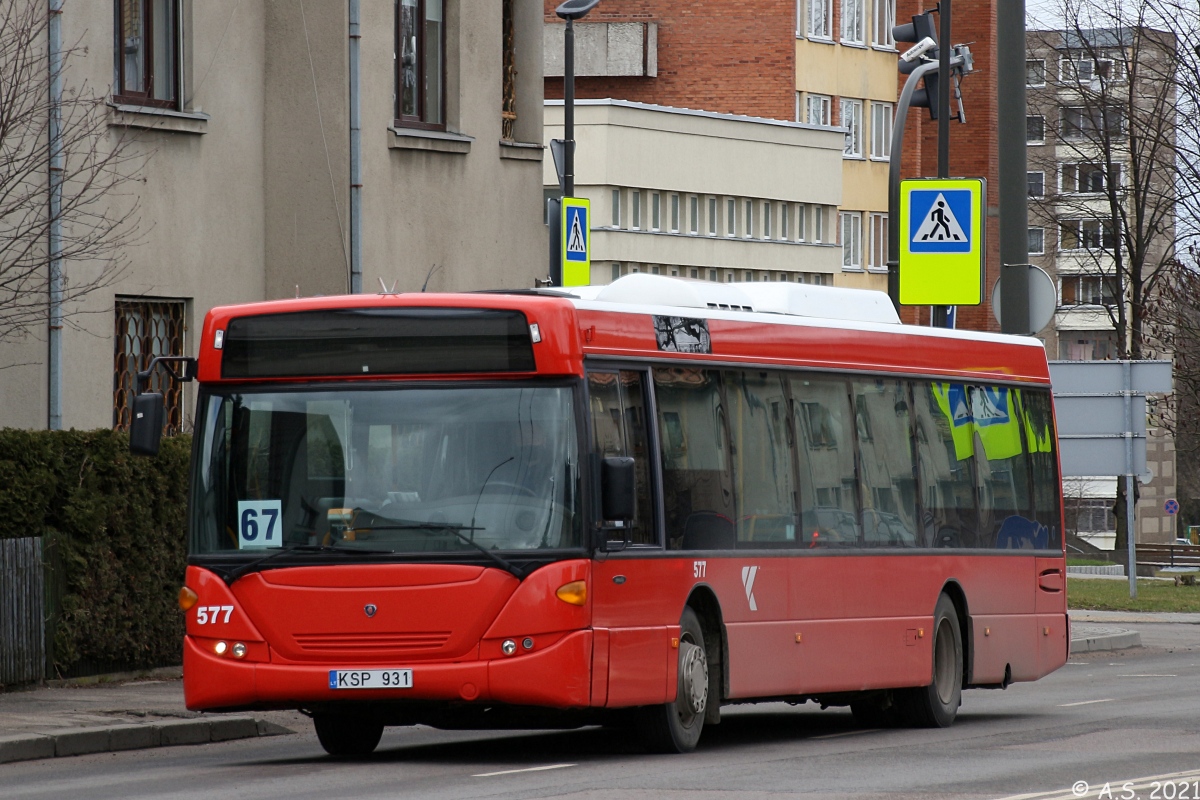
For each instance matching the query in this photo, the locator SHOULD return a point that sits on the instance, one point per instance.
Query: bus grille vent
(367, 643)
(729, 307)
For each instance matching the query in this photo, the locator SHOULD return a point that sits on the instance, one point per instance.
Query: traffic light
(922, 33)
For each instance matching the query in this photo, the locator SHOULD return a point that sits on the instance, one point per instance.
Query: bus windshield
(388, 470)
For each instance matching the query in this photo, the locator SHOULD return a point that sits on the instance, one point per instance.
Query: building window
(1088, 290)
(1089, 515)
(145, 329)
(817, 109)
(818, 233)
(851, 240)
(801, 221)
(1087, 346)
(508, 101)
(1037, 183)
(1035, 72)
(694, 215)
(1035, 129)
(854, 22)
(616, 270)
(879, 242)
(655, 211)
(881, 130)
(766, 219)
(694, 273)
(851, 120)
(1085, 69)
(674, 213)
(712, 216)
(885, 20)
(714, 275)
(730, 217)
(748, 276)
(616, 208)
(1087, 178)
(420, 64)
(1079, 123)
(820, 19)
(1037, 241)
(749, 231)
(785, 221)
(1086, 234)
(146, 52)
(635, 203)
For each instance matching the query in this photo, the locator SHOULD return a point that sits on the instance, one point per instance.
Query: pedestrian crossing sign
(941, 241)
(576, 241)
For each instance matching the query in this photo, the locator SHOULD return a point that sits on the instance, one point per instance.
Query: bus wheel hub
(693, 673)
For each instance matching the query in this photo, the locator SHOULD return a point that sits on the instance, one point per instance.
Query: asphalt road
(1105, 718)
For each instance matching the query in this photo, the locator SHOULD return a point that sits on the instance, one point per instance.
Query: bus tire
(343, 735)
(675, 727)
(936, 705)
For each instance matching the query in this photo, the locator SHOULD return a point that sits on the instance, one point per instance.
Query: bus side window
(946, 464)
(886, 459)
(1001, 469)
(618, 410)
(761, 458)
(1043, 464)
(698, 491)
(825, 443)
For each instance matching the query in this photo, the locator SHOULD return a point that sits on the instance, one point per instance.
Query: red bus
(629, 504)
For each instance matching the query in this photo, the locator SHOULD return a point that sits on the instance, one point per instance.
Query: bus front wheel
(675, 727)
(936, 705)
(344, 735)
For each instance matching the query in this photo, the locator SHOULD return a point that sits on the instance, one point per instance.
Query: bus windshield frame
(386, 444)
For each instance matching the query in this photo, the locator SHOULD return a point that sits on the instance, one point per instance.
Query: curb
(110, 738)
(1107, 640)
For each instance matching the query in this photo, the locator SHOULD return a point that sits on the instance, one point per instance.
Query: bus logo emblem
(370, 609)
(748, 574)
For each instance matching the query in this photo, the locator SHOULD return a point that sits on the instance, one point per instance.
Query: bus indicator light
(187, 598)
(535, 333)
(574, 593)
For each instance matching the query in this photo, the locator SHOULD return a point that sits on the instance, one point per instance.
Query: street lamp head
(575, 9)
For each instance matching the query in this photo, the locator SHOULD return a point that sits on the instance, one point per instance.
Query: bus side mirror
(617, 488)
(145, 427)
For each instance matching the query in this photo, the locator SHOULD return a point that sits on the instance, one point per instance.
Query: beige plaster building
(696, 194)
(846, 76)
(241, 113)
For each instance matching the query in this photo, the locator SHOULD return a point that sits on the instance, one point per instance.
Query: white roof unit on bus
(795, 299)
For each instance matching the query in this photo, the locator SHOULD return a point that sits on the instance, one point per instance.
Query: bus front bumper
(558, 676)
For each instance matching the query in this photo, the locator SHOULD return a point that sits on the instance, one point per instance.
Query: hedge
(115, 542)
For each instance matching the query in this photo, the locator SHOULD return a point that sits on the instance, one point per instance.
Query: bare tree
(96, 219)
(1121, 167)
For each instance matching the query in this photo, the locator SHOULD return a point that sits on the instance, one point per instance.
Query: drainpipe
(355, 157)
(55, 243)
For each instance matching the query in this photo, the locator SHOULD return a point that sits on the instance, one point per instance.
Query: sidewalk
(75, 718)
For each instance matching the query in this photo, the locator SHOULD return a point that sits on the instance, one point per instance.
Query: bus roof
(772, 324)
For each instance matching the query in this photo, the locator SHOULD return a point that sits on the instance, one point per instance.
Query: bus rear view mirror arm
(146, 421)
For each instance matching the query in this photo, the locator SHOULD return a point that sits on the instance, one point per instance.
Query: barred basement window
(145, 329)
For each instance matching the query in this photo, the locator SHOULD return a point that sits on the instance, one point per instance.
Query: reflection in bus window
(889, 496)
(698, 492)
(946, 469)
(828, 496)
(762, 458)
(1043, 464)
(619, 427)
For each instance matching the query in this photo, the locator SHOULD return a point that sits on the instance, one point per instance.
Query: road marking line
(1147, 676)
(527, 769)
(846, 733)
(1086, 702)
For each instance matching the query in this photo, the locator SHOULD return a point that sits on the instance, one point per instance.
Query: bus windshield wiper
(456, 529)
(253, 566)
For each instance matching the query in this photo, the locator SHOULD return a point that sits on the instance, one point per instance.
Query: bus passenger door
(633, 661)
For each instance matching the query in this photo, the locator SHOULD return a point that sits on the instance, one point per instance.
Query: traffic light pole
(939, 314)
(1014, 186)
(893, 263)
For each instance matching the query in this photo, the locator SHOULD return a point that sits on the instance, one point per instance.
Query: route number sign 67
(259, 523)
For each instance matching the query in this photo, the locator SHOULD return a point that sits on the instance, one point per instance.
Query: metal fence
(22, 627)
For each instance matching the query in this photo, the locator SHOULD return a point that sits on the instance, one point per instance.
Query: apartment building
(238, 119)
(760, 59)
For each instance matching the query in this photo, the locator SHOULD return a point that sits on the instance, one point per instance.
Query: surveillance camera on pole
(919, 49)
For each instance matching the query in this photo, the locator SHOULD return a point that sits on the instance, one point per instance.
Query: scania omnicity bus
(632, 504)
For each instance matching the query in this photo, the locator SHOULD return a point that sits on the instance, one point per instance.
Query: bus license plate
(370, 679)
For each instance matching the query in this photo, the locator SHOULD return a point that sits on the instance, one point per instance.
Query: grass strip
(1104, 595)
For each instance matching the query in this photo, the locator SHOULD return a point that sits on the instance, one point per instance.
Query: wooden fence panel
(22, 626)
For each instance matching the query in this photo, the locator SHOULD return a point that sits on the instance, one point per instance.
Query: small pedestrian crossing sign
(941, 241)
(576, 241)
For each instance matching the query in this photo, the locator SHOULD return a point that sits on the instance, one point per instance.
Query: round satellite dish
(1043, 299)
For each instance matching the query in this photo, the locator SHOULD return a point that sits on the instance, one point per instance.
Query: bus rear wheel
(936, 705)
(675, 727)
(345, 735)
